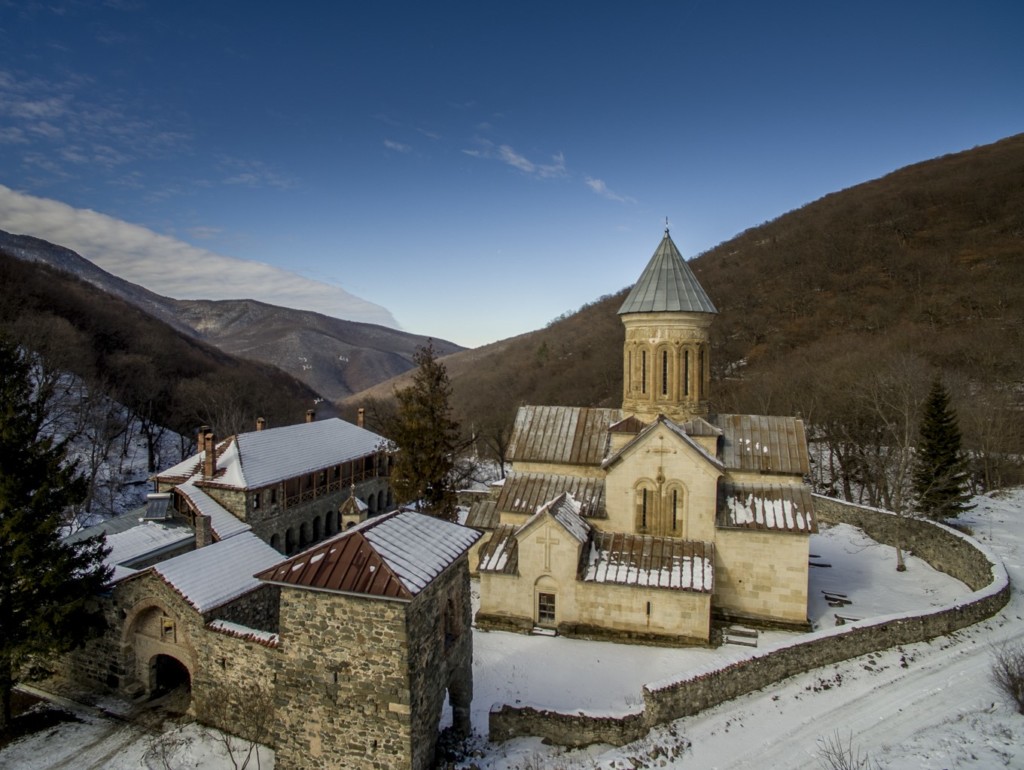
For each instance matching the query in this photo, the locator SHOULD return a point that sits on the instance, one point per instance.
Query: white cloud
(545, 171)
(598, 186)
(172, 267)
(397, 146)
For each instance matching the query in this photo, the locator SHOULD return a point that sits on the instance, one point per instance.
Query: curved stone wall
(943, 548)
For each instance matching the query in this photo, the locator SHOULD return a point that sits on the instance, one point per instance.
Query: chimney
(210, 456)
(204, 533)
(361, 418)
(201, 437)
(260, 423)
(310, 415)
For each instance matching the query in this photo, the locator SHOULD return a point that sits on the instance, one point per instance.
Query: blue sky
(476, 169)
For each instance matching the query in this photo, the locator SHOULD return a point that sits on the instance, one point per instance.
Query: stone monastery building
(256, 578)
(646, 522)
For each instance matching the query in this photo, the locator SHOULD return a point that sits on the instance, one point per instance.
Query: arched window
(664, 372)
(644, 495)
(275, 542)
(675, 510)
(643, 371)
(316, 528)
(303, 535)
(686, 372)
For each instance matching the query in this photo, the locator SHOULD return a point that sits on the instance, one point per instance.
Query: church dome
(667, 285)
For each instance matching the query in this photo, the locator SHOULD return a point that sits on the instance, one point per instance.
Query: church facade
(647, 522)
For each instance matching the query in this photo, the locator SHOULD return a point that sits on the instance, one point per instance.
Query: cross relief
(547, 540)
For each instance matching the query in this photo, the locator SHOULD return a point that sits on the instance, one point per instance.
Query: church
(647, 523)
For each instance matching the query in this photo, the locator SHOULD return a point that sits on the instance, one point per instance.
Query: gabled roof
(676, 430)
(753, 442)
(667, 285)
(210, 577)
(768, 507)
(650, 562)
(526, 492)
(566, 435)
(259, 458)
(484, 515)
(566, 511)
(394, 556)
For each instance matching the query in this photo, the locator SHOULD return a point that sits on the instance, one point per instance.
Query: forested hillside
(842, 311)
(165, 379)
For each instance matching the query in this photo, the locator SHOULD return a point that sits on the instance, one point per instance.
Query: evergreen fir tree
(940, 477)
(47, 586)
(427, 438)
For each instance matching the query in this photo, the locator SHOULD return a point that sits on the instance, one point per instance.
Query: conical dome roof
(667, 285)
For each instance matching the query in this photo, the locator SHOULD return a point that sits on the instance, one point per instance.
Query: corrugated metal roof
(667, 285)
(223, 523)
(501, 551)
(758, 443)
(526, 492)
(771, 507)
(676, 430)
(259, 458)
(391, 556)
(484, 515)
(650, 562)
(570, 435)
(219, 573)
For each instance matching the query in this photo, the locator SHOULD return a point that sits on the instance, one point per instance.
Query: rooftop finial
(666, 225)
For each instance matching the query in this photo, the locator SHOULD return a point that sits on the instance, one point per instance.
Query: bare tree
(249, 709)
(1008, 672)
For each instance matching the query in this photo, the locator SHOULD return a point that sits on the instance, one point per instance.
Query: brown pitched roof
(392, 556)
(754, 442)
(567, 435)
(770, 507)
(501, 552)
(527, 492)
(650, 562)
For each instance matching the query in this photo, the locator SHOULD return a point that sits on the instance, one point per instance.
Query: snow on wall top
(264, 457)
(219, 573)
(223, 523)
(390, 556)
(650, 562)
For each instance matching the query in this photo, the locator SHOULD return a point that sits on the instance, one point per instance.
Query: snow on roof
(566, 511)
(219, 573)
(501, 552)
(263, 457)
(650, 562)
(392, 556)
(223, 523)
(266, 638)
(146, 539)
(760, 443)
(778, 507)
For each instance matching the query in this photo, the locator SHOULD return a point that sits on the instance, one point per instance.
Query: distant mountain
(926, 262)
(333, 357)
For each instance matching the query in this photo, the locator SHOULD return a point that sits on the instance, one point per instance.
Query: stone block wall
(942, 547)
(761, 576)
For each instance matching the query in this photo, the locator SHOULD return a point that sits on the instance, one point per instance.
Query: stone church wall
(761, 576)
(942, 547)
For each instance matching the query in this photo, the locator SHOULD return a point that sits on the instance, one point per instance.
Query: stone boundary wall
(943, 548)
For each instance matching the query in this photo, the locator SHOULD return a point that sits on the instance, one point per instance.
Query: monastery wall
(942, 547)
(761, 576)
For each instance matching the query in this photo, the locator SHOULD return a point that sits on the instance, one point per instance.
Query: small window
(273, 496)
(664, 372)
(255, 501)
(675, 509)
(643, 371)
(545, 608)
(643, 508)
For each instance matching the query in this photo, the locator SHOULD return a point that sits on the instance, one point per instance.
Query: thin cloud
(391, 144)
(172, 267)
(598, 186)
(252, 173)
(543, 170)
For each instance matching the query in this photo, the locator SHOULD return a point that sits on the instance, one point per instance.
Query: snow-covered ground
(928, 705)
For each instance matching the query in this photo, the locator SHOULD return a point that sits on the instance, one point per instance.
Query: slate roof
(667, 285)
(568, 435)
(526, 492)
(769, 507)
(650, 562)
(394, 556)
(763, 444)
(260, 458)
(210, 577)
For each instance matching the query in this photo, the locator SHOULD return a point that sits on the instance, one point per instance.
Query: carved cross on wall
(547, 540)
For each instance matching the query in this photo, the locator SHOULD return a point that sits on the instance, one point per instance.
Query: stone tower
(666, 358)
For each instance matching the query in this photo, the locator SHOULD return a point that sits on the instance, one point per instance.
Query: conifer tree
(47, 586)
(427, 438)
(940, 477)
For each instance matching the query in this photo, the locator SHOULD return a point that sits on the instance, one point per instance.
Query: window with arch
(664, 372)
(643, 371)
(675, 500)
(686, 372)
(644, 494)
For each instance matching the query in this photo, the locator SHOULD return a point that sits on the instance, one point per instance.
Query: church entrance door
(546, 610)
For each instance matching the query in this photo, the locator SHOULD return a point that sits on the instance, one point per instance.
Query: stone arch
(330, 527)
(303, 535)
(371, 508)
(289, 541)
(316, 529)
(545, 602)
(380, 500)
(275, 541)
(152, 632)
(674, 507)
